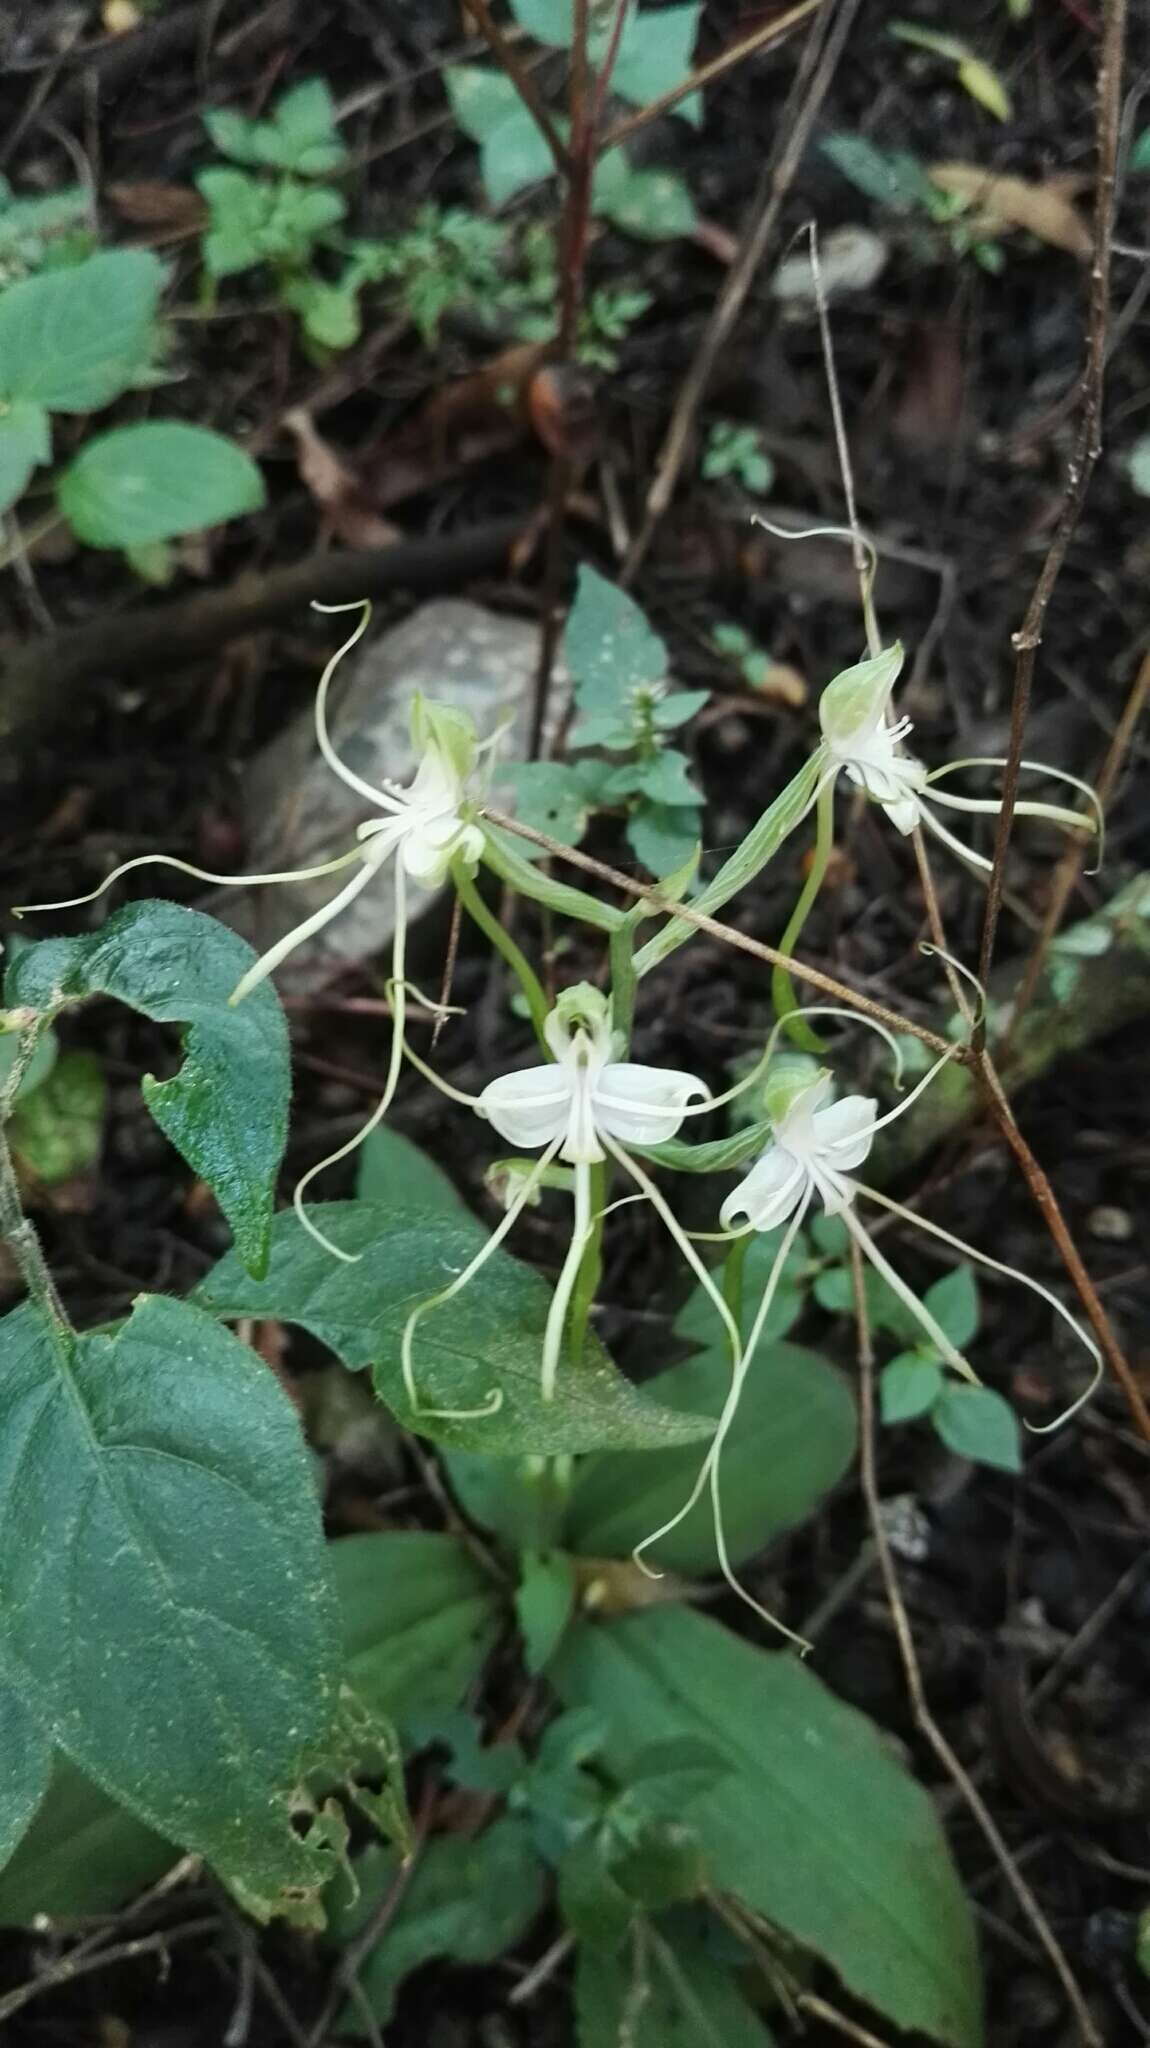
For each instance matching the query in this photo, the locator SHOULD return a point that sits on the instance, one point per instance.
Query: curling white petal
(642, 1105)
(768, 1194)
(845, 1131)
(532, 1108)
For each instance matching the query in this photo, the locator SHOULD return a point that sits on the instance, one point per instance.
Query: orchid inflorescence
(585, 1111)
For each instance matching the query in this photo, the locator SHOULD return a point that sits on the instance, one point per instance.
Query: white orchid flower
(815, 1147)
(860, 738)
(426, 826)
(582, 1107)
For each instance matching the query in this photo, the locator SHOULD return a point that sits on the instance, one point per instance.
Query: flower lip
(812, 1152)
(585, 1096)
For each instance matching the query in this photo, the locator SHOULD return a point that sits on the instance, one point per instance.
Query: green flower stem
(733, 1272)
(591, 1266)
(624, 980)
(15, 1229)
(506, 947)
(782, 988)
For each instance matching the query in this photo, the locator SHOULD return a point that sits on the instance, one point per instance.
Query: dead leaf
(152, 203)
(476, 417)
(346, 504)
(1002, 202)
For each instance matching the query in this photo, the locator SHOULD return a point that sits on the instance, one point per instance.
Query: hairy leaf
(226, 1109)
(175, 1637)
(27, 1763)
(489, 1336)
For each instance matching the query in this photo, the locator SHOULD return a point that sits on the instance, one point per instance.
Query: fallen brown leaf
(152, 203)
(1003, 202)
(346, 504)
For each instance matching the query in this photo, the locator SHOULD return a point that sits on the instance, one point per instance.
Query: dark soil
(958, 388)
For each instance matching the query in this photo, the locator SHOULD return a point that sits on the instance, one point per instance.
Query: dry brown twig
(920, 1707)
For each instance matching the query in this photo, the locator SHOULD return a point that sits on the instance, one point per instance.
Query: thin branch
(706, 74)
(923, 1718)
(1074, 853)
(817, 67)
(512, 65)
(1088, 445)
(727, 934)
(68, 1968)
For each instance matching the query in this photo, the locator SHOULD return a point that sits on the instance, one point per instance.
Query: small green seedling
(737, 451)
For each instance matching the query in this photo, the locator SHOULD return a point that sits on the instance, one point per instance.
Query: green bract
(856, 698)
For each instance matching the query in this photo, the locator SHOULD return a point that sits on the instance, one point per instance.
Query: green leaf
(467, 1901)
(488, 108)
(307, 139)
(27, 1755)
(1138, 465)
(679, 707)
(909, 1386)
(666, 779)
(664, 1990)
(976, 1423)
(834, 1291)
(816, 1826)
(329, 312)
(793, 1439)
(240, 209)
(489, 1336)
(663, 836)
(654, 205)
(953, 1302)
(718, 1155)
(550, 797)
(391, 1169)
(608, 646)
(82, 1855)
(419, 1617)
(1139, 158)
(74, 339)
(519, 1499)
(57, 1133)
(985, 86)
(655, 56)
(418, 1620)
(25, 442)
(39, 1067)
(149, 482)
(544, 1604)
(176, 1637)
(226, 1109)
(893, 178)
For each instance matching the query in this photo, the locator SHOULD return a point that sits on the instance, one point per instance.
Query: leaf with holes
(226, 1109)
(488, 1338)
(177, 1637)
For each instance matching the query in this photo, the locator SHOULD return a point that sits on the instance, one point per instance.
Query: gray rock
(301, 813)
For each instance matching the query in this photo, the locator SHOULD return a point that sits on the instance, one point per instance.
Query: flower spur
(426, 826)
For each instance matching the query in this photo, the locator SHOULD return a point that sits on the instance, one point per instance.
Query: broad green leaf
(816, 1827)
(149, 482)
(909, 1386)
(468, 1901)
(655, 56)
(1139, 158)
(550, 796)
(1138, 465)
(698, 1320)
(513, 153)
(39, 1067)
(664, 1989)
(893, 178)
(419, 1617)
(56, 1134)
(654, 205)
(489, 1336)
(953, 1302)
(608, 646)
(520, 1500)
(74, 339)
(226, 1108)
(307, 139)
(544, 1604)
(679, 707)
(25, 442)
(176, 1638)
(977, 1423)
(762, 842)
(82, 1855)
(834, 1291)
(27, 1763)
(393, 1170)
(792, 1440)
(666, 779)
